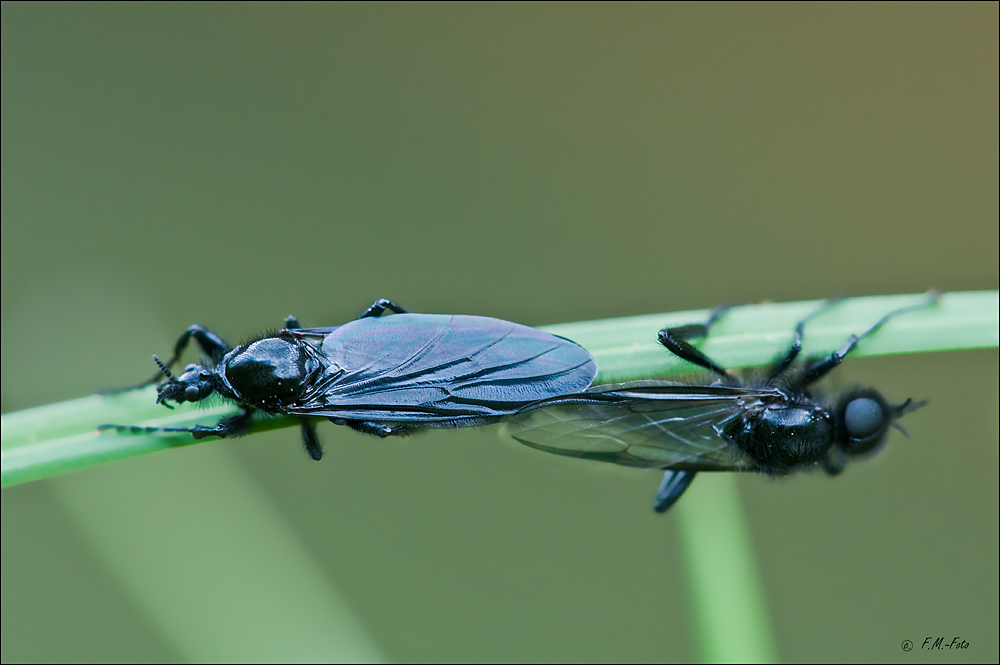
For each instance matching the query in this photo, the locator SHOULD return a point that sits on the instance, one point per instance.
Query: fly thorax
(267, 373)
(786, 437)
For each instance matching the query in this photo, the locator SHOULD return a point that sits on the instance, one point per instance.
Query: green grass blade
(56, 438)
(728, 606)
(52, 439)
(754, 335)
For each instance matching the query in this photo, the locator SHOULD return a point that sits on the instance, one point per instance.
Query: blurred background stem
(729, 608)
(203, 553)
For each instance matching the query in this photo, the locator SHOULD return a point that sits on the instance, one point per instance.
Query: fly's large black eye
(865, 421)
(192, 393)
(863, 417)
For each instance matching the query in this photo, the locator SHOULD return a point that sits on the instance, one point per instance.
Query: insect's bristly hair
(267, 333)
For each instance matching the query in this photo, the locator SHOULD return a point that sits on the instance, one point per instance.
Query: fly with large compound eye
(385, 376)
(773, 425)
(194, 385)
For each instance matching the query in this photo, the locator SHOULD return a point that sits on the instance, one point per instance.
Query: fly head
(195, 384)
(863, 419)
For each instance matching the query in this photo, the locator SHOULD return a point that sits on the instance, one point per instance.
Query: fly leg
(381, 430)
(782, 365)
(310, 439)
(379, 306)
(822, 367)
(834, 461)
(674, 484)
(675, 341)
(236, 425)
(211, 344)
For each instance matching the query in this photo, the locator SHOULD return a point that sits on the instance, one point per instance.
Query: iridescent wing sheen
(429, 367)
(654, 424)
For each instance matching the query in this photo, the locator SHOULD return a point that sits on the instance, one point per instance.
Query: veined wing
(427, 367)
(653, 424)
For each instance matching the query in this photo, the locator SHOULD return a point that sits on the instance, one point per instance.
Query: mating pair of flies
(395, 375)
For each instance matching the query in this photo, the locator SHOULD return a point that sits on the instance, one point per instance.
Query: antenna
(163, 368)
(162, 395)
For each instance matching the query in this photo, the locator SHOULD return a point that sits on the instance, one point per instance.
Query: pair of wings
(652, 424)
(436, 368)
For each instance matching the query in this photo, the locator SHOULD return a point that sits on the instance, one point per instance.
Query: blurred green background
(226, 164)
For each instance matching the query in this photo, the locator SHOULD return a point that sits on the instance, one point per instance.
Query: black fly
(386, 376)
(773, 425)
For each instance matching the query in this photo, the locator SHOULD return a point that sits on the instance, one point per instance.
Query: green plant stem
(751, 336)
(56, 438)
(728, 606)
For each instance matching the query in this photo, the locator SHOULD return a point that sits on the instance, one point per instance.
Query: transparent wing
(646, 424)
